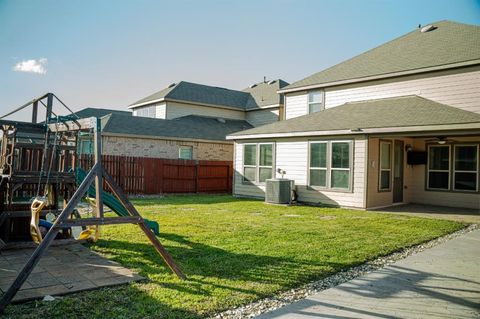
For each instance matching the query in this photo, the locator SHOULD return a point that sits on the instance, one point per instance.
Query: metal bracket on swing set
(96, 175)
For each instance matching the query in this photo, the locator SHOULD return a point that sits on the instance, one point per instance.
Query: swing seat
(36, 208)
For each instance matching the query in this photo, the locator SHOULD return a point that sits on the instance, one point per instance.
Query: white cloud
(31, 66)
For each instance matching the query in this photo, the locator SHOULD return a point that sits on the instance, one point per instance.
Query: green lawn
(233, 251)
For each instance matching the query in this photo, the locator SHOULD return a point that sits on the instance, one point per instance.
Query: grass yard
(233, 251)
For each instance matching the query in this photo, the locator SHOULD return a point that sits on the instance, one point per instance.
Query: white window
(315, 101)
(385, 166)
(330, 164)
(146, 111)
(257, 162)
(465, 168)
(438, 175)
(185, 152)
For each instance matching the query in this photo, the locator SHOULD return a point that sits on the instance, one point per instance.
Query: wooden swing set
(44, 155)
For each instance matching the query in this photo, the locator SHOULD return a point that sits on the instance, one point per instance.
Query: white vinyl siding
(296, 104)
(454, 88)
(262, 117)
(292, 156)
(457, 88)
(175, 110)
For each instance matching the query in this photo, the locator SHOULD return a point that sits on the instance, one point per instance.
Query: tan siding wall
(262, 117)
(158, 148)
(292, 156)
(455, 88)
(296, 104)
(378, 198)
(453, 199)
(175, 110)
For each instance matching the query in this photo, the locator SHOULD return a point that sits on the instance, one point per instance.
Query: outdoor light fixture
(408, 148)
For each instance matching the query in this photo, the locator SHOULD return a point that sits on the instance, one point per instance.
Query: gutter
(386, 130)
(381, 76)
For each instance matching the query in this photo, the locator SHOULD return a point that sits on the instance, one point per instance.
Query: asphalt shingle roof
(391, 112)
(98, 112)
(191, 126)
(450, 42)
(249, 98)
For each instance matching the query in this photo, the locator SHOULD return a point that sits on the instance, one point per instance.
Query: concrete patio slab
(442, 282)
(439, 212)
(62, 270)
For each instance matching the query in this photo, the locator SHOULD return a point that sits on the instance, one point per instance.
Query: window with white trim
(257, 162)
(465, 168)
(330, 164)
(145, 111)
(185, 152)
(318, 164)
(385, 166)
(438, 175)
(315, 101)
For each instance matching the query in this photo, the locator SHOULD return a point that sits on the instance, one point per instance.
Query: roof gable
(449, 43)
(265, 94)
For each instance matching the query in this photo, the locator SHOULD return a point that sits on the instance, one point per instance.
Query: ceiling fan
(441, 140)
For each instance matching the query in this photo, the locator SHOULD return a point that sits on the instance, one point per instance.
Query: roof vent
(272, 81)
(171, 85)
(252, 86)
(427, 28)
(221, 120)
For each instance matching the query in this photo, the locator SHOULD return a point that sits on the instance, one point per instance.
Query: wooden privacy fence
(145, 175)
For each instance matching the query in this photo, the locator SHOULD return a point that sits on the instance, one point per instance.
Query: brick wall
(158, 148)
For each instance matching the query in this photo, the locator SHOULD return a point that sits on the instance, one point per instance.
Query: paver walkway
(442, 282)
(61, 270)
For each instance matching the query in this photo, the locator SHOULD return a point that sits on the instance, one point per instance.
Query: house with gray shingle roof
(186, 120)
(258, 104)
(188, 137)
(397, 124)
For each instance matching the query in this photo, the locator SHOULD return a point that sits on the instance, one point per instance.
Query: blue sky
(112, 53)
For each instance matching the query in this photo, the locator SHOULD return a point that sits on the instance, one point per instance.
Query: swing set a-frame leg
(122, 197)
(62, 218)
(47, 240)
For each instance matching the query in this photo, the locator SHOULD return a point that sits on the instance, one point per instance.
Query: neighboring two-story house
(258, 104)
(397, 124)
(186, 121)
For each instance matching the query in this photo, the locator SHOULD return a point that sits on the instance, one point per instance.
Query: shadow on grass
(206, 265)
(125, 301)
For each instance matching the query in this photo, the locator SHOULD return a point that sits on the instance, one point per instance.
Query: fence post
(197, 178)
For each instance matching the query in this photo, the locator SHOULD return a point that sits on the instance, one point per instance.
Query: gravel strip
(287, 297)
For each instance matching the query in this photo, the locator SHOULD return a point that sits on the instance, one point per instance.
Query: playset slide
(112, 202)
